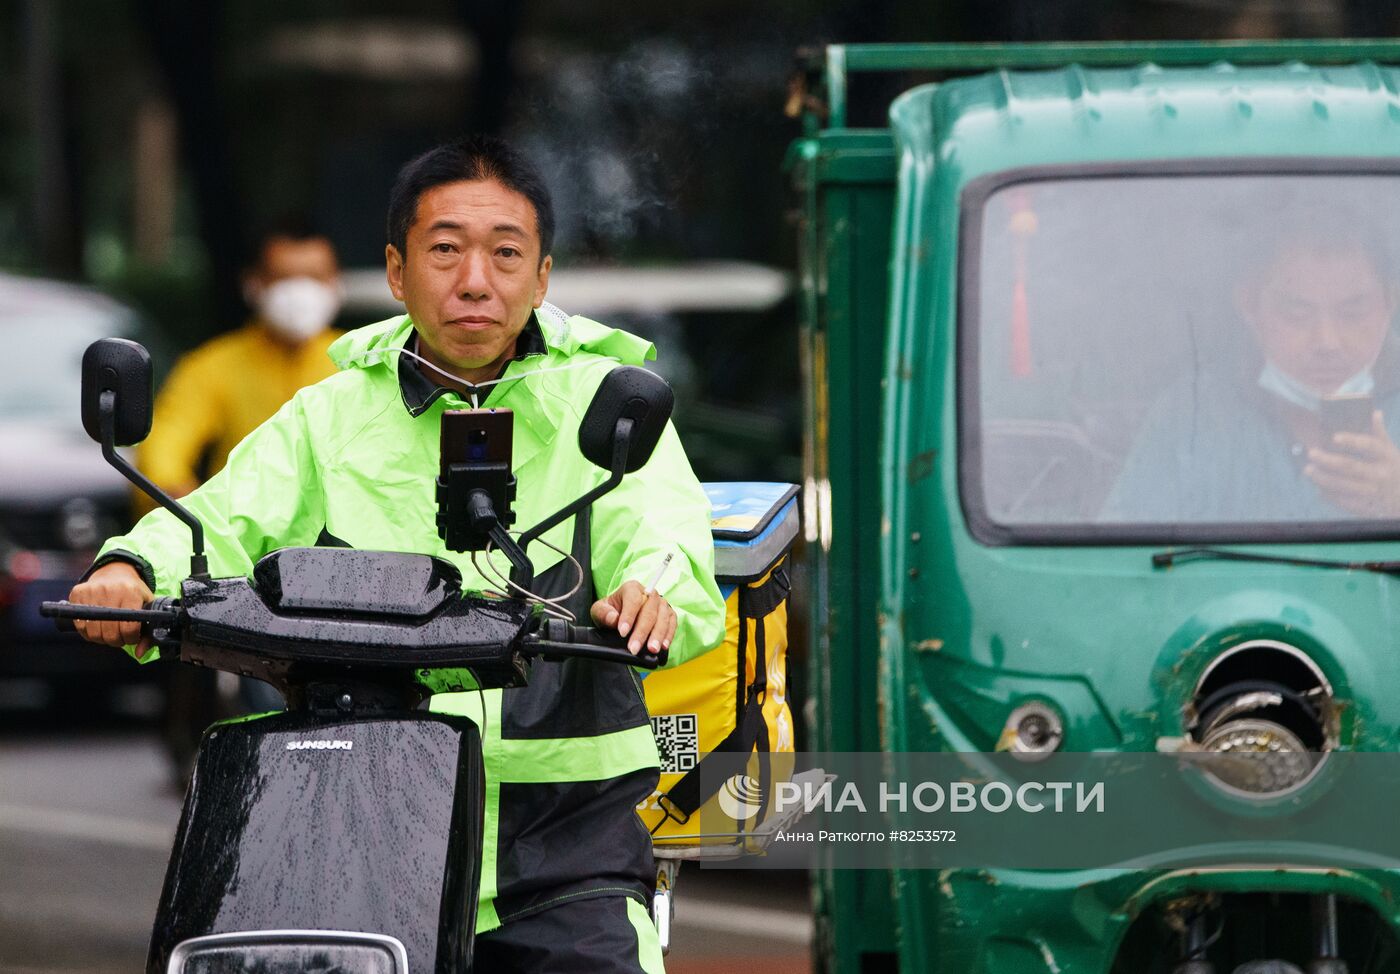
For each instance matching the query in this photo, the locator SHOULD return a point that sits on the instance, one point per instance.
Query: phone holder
(474, 505)
(619, 431)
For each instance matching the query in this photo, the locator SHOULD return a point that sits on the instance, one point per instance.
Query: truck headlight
(1264, 716)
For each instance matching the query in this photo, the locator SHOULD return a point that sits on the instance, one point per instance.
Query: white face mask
(298, 308)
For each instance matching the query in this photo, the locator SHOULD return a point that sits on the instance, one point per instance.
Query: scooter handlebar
(64, 614)
(559, 638)
(553, 639)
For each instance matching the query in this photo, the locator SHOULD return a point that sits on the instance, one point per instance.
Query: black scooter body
(353, 817)
(296, 822)
(345, 834)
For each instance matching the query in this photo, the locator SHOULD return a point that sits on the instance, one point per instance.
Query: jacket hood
(566, 334)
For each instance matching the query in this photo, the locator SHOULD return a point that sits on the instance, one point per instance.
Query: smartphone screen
(476, 435)
(1347, 414)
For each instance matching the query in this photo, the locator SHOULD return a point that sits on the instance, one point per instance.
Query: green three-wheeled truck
(1102, 402)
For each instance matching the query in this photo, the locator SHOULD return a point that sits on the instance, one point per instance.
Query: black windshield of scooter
(378, 583)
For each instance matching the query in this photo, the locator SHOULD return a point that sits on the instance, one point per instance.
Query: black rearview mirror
(118, 399)
(627, 393)
(619, 431)
(122, 368)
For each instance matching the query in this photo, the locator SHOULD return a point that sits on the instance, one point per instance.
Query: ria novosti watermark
(931, 796)
(1068, 811)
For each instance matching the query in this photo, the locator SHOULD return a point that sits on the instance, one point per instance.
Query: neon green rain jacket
(569, 757)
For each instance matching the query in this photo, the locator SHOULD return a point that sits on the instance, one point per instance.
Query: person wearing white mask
(219, 393)
(224, 389)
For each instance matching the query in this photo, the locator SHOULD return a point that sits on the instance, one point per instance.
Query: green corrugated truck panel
(847, 184)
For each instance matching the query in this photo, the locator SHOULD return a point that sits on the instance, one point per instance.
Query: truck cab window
(1193, 350)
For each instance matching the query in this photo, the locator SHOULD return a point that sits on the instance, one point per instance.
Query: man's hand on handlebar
(648, 620)
(117, 585)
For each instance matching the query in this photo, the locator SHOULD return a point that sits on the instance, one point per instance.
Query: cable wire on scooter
(552, 605)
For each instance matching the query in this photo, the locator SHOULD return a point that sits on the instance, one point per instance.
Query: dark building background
(144, 142)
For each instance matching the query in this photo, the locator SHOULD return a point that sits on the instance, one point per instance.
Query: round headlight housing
(1263, 717)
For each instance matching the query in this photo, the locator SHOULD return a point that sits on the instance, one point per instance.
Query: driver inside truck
(1309, 432)
(567, 869)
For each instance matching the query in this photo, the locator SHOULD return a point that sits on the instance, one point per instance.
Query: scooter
(345, 834)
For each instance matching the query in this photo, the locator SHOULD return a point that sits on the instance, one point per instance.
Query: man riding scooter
(352, 460)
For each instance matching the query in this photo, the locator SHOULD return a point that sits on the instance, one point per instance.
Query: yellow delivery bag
(727, 710)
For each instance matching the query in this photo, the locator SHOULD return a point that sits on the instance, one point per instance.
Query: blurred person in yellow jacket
(219, 393)
(227, 387)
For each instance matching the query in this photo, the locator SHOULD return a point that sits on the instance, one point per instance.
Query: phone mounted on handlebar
(475, 488)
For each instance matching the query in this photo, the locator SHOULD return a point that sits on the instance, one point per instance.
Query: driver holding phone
(1321, 316)
(1315, 437)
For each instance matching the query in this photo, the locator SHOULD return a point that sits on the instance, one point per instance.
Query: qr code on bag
(678, 741)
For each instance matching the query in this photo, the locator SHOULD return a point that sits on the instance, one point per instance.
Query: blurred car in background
(58, 498)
